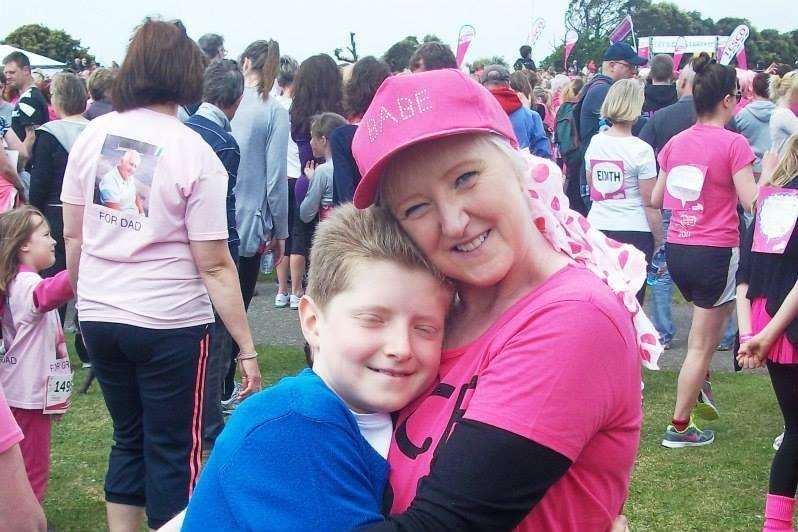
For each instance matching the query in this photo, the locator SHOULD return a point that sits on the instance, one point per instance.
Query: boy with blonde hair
(310, 453)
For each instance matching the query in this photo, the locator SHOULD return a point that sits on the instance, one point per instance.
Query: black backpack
(577, 110)
(566, 136)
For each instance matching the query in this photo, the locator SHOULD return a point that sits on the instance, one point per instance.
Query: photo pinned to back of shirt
(124, 179)
(776, 214)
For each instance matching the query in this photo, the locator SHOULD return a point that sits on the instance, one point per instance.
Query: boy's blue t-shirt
(290, 458)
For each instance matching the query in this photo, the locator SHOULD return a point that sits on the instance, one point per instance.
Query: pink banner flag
(467, 34)
(623, 29)
(734, 44)
(570, 41)
(678, 52)
(537, 29)
(742, 59)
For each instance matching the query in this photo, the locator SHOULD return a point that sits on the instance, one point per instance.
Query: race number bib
(683, 186)
(58, 394)
(606, 180)
(776, 214)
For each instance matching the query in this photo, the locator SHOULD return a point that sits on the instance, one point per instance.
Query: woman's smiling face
(461, 200)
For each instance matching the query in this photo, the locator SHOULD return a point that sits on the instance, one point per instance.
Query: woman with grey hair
(51, 149)
(222, 90)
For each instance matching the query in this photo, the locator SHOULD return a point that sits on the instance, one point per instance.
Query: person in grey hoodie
(753, 121)
(260, 127)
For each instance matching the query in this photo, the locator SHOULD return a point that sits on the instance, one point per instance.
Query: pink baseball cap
(409, 109)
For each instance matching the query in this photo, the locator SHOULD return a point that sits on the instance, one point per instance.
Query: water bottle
(656, 268)
(267, 263)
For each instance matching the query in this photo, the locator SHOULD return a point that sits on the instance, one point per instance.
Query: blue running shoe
(692, 436)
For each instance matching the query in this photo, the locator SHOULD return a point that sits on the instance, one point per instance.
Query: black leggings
(248, 270)
(784, 470)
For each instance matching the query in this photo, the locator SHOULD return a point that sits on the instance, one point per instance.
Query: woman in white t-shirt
(285, 81)
(146, 277)
(622, 169)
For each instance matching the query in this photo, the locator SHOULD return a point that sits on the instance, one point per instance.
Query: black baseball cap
(621, 51)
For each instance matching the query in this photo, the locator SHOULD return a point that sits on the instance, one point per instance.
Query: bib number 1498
(59, 393)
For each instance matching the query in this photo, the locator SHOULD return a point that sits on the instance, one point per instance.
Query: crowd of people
(436, 231)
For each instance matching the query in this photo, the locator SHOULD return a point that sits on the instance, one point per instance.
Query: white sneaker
(230, 404)
(777, 442)
(281, 300)
(294, 301)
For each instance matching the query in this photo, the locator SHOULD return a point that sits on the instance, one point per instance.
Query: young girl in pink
(34, 370)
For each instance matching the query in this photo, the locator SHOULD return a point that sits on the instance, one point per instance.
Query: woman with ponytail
(784, 120)
(260, 127)
(704, 171)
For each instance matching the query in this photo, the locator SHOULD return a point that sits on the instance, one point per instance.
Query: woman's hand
(753, 353)
(621, 524)
(250, 377)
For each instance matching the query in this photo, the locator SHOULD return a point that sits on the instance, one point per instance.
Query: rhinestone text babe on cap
(405, 108)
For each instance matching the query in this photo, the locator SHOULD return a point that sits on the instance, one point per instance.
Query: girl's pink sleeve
(52, 292)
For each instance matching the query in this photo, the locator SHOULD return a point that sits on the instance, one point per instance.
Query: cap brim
(639, 61)
(366, 191)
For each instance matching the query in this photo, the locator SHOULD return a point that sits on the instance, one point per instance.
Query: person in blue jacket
(527, 124)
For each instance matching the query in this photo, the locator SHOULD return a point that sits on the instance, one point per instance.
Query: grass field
(720, 487)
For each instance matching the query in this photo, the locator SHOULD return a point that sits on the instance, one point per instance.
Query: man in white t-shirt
(117, 187)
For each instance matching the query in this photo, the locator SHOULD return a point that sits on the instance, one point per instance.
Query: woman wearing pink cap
(535, 421)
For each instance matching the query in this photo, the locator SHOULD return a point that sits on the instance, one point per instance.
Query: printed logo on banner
(124, 181)
(776, 214)
(734, 44)
(606, 180)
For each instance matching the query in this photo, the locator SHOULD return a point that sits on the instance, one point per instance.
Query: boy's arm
(313, 477)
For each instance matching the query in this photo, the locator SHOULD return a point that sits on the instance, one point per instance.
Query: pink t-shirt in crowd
(560, 367)
(33, 337)
(10, 434)
(699, 164)
(136, 265)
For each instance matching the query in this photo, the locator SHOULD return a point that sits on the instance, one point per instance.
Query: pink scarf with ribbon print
(621, 266)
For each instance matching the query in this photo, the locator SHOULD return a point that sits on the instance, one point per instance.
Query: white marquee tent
(49, 66)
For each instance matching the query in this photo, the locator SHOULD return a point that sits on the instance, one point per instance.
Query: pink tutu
(783, 351)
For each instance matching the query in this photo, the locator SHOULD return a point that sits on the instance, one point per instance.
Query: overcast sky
(307, 27)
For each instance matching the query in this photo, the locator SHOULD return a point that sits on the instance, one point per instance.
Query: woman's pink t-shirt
(137, 267)
(560, 367)
(708, 217)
